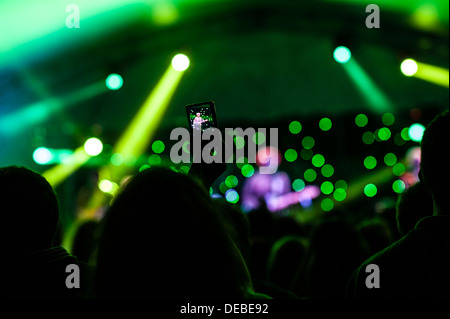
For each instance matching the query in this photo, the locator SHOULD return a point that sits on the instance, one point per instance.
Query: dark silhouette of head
(284, 260)
(435, 171)
(29, 209)
(335, 249)
(413, 204)
(161, 239)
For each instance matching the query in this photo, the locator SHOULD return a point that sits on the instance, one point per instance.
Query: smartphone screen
(201, 116)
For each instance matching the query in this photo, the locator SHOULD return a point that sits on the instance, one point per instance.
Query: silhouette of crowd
(164, 237)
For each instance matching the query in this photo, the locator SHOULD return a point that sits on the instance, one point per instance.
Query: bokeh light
(247, 170)
(232, 196)
(310, 175)
(388, 119)
(154, 159)
(370, 162)
(327, 204)
(42, 155)
(114, 81)
(290, 155)
(368, 138)
(370, 190)
(158, 146)
(398, 186)
(259, 138)
(341, 184)
(398, 169)
(325, 124)
(327, 170)
(415, 132)
(231, 181)
(318, 160)
(383, 134)
(327, 187)
(180, 62)
(308, 142)
(361, 120)
(340, 194)
(342, 54)
(409, 67)
(306, 154)
(93, 146)
(295, 127)
(390, 159)
(298, 185)
(108, 187)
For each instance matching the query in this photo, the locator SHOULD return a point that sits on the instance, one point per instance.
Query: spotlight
(416, 131)
(342, 54)
(42, 156)
(409, 67)
(114, 81)
(93, 146)
(180, 62)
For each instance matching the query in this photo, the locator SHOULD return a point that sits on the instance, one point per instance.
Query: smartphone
(201, 116)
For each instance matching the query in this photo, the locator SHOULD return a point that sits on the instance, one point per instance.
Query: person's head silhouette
(162, 239)
(434, 169)
(29, 210)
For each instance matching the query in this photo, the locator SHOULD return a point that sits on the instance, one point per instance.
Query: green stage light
(398, 186)
(325, 124)
(108, 187)
(158, 146)
(370, 162)
(370, 190)
(310, 175)
(231, 181)
(180, 62)
(399, 169)
(327, 187)
(383, 134)
(361, 120)
(327, 204)
(42, 156)
(416, 131)
(308, 142)
(388, 119)
(341, 184)
(327, 170)
(247, 170)
(223, 187)
(318, 160)
(340, 194)
(232, 196)
(295, 127)
(409, 67)
(405, 134)
(298, 185)
(306, 154)
(342, 54)
(239, 141)
(258, 138)
(114, 81)
(390, 159)
(290, 155)
(93, 146)
(368, 138)
(154, 159)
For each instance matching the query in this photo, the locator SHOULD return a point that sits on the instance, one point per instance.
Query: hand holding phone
(202, 116)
